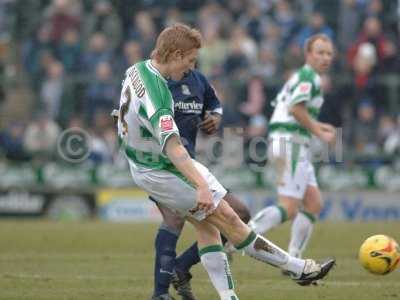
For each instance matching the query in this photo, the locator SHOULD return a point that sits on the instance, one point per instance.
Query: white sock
(215, 262)
(262, 249)
(267, 218)
(302, 228)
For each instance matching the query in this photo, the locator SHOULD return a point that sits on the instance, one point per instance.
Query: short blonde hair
(176, 37)
(311, 40)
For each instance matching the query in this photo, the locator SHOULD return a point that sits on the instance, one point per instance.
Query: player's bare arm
(320, 130)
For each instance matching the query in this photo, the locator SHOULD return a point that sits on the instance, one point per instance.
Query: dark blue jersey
(193, 96)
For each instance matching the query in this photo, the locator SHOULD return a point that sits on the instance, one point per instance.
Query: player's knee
(208, 234)
(231, 217)
(291, 209)
(244, 214)
(292, 212)
(173, 225)
(241, 210)
(314, 207)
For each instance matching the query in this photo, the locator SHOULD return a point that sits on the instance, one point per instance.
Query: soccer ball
(379, 254)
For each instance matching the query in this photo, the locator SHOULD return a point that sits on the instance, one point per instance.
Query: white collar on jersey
(150, 66)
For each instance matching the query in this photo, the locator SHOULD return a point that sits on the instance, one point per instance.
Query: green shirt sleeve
(302, 90)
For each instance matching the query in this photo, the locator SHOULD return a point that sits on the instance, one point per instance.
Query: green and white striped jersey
(302, 86)
(146, 117)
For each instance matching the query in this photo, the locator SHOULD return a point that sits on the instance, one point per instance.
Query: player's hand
(327, 136)
(204, 200)
(115, 116)
(210, 123)
(327, 127)
(327, 133)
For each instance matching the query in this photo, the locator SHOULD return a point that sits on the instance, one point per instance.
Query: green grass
(94, 260)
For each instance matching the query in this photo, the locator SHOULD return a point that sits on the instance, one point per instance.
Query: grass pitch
(95, 261)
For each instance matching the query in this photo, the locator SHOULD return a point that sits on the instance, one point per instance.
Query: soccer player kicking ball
(195, 106)
(293, 123)
(161, 166)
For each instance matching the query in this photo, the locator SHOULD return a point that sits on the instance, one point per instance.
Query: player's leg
(170, 190)
(244, 214)
(275, 215)
(190, 257)
(214, 259)
(238, 207)
(288, 189)
(303, 224)
(175, 193)
(244, 238)
(165, 245)
(256, 246)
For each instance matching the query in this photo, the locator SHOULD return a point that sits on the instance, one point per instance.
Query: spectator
(375, 9)
(52, 89)
(285, 20)
(256, 122)
(143, 30)
(102, 93)
(255, 103)
(293, 58)
(212, 54)
(69, 51)
(348, 24)
(366, 129)
(103, 139)
(98, 52)
(266, 66)
(63, 15)
(236, 8)
(364, 81)
(392, 143)
(132, 53)
(315, 25)
(173, 16)
(35, 47)
(387, 128)
(253, 21)
(104, 19)
(334, 102)
(40, 137)
(243, 39)
(12, 142)
(240, 38)
(237, 62)
(6, 11)
(213, 15)
(372, 34)
(272, 38)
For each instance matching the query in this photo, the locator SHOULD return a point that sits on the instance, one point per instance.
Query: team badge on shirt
(305, 87)
(166, 123)
(185, 90)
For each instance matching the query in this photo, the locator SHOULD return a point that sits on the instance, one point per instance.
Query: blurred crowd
(72, 55)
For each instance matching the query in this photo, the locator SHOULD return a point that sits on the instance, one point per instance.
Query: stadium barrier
(124, 205)
(132, 204)
(53, 203)
(340, 206)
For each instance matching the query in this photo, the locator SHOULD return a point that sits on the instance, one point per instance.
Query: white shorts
(294, 170)
(173, 192)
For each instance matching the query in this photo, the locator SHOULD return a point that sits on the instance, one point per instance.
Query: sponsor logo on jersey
(166, 123)
(305, 87)
(189, 107)
(185, 89)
